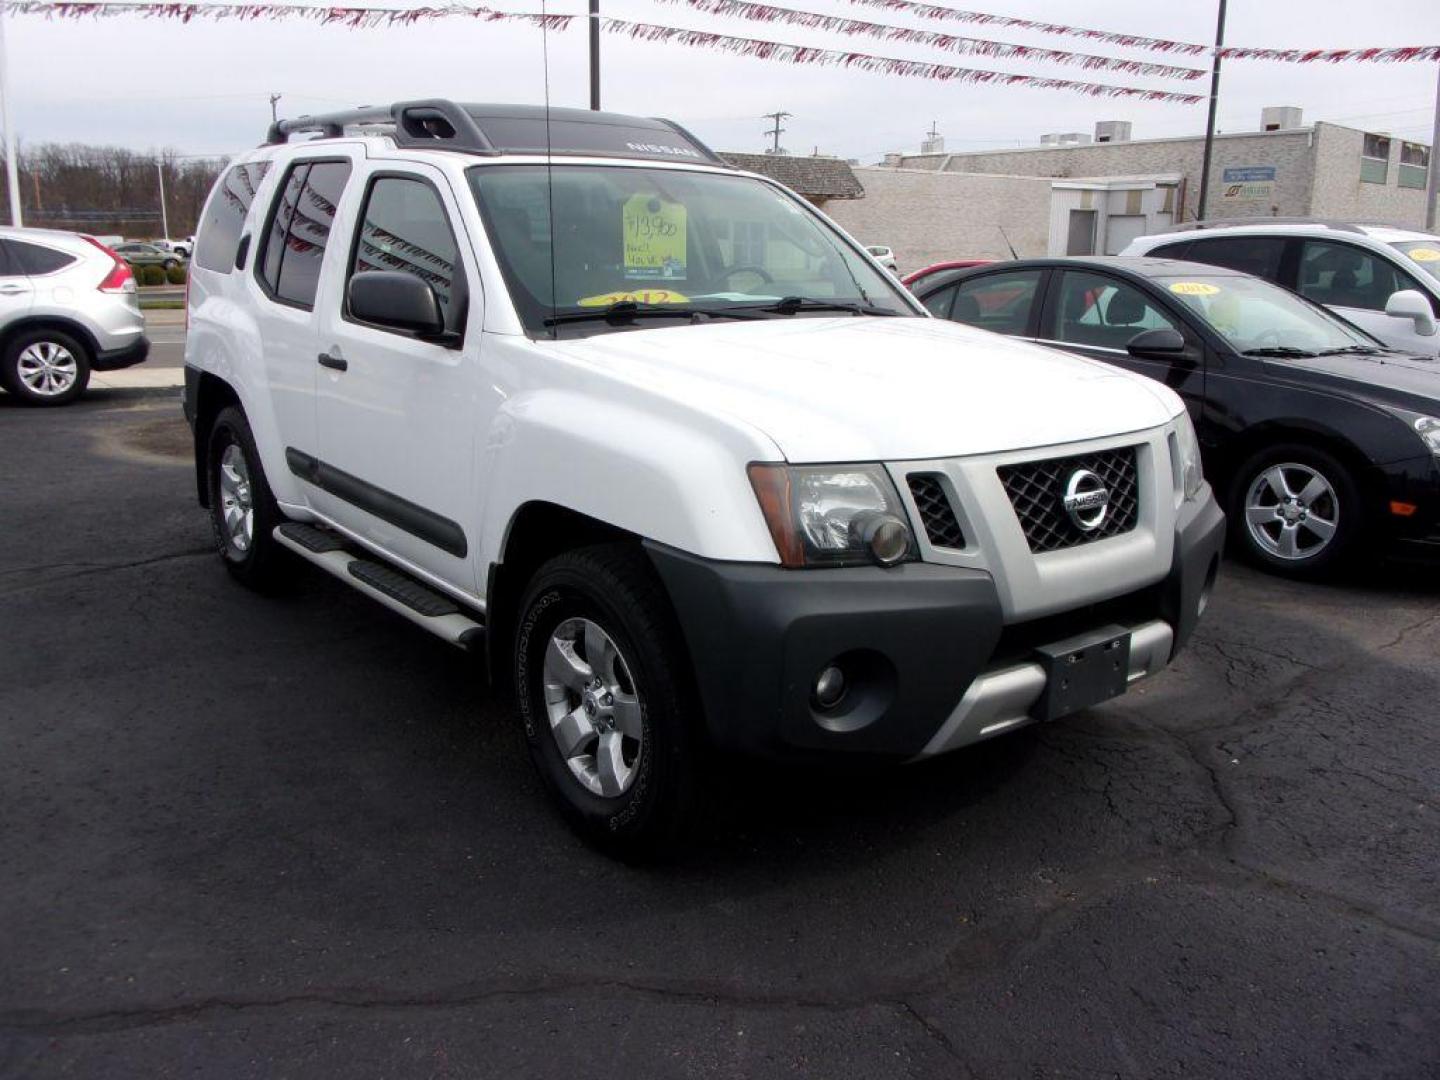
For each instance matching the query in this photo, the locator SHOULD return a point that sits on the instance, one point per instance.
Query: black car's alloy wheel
(1296, 510)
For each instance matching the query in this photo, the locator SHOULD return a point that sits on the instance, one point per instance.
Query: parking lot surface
(291, 836)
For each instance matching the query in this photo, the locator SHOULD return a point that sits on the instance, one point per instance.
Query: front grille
(936, 512)
(1037, 492)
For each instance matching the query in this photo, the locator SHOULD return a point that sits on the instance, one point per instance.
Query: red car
(956, 264)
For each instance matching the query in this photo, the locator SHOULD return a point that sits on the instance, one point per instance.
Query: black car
(1318, 437)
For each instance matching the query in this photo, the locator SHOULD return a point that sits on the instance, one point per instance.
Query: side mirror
(397, 301)
(1161, 343)
(1412, 304)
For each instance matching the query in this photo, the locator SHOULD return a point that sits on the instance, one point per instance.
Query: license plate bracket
(1082, 671)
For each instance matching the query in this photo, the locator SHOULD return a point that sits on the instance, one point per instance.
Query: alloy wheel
(1291, 511)
(47, 368)
(236, 500)
(594, 711)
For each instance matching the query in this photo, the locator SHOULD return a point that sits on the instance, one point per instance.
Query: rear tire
(45, 367)
(1296, 510)
(605, 696)
(243, 513)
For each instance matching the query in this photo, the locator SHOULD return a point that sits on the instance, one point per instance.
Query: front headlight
(1187, 457)
(833, 515)
(1428, 428)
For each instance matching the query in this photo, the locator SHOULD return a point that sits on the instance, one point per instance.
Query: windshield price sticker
(1426, 254)
(653, 232)
(639, 296)
(1194, 288)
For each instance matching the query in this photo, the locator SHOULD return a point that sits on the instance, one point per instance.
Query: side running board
(395, 589)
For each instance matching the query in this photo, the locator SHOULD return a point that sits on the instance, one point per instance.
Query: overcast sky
(203, 88)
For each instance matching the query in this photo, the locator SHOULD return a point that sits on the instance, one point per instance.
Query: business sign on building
(1253, 183)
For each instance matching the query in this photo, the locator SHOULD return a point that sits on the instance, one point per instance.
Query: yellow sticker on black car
(637, 296)
(1194, 288)
(653, 233)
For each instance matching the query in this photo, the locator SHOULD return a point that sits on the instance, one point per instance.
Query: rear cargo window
(34, 259)
(219, 236)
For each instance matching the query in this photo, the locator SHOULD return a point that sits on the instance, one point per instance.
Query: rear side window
(299, 230)
(1170, 251)
(34, 259)
(938, 302)
(219, 236)
(998, 302)
(404, 228)
(1258, 255)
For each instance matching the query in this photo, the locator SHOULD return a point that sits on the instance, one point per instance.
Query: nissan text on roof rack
(670, 453)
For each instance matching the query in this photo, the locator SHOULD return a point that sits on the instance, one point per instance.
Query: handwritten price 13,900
(651, 226)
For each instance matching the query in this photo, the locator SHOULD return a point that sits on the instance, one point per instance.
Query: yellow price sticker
(653, 233)
(1426, 254)
(1194, 288)
(638, 296)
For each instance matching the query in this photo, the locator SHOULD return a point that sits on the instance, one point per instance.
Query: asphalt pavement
(291, 836)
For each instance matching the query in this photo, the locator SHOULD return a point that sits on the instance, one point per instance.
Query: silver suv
(68, 306)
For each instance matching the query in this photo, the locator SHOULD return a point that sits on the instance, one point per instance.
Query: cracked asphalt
(291, 837)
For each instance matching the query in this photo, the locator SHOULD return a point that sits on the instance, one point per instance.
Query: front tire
(606, 701)
(243, 513)
(1296, 510)
(45, 367)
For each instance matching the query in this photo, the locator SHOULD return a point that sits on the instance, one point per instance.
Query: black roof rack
(438, 124)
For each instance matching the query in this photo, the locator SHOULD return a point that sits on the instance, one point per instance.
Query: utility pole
(595, 55)
(12, 164)
(934, 129)
(164, 218)
(274, 100)
(1210, 121)
(774, 132)
(1432, 191)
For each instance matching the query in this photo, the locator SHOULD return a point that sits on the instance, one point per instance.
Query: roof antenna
(549, 168)
(1007, 240)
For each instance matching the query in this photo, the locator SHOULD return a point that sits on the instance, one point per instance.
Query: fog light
(829, 687)
(885, 536)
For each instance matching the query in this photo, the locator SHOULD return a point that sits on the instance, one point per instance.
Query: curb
(138, 379)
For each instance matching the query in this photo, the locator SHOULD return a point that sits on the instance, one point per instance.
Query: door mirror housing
(398, 301)
(1161, 343)
(1412, 304)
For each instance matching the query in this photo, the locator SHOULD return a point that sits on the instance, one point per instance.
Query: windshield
(1423, 253)
(692, 243)
(1251, 314)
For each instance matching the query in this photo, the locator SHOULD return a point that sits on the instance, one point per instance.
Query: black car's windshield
(1423, 253)
(1256, 317)
(698, 243)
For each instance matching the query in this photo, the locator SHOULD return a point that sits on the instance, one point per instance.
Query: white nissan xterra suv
(670, 452)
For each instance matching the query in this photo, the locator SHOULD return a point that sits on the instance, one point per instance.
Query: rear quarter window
(34, 259)
(224, 220)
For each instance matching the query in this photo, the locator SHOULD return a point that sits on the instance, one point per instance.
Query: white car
(1384, 280)
(68, 307)
(669, 453)
(884, 256)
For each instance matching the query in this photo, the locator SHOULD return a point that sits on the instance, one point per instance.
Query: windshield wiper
(623, 311)
(1356, 350)
(789, 305)
(1278, 350)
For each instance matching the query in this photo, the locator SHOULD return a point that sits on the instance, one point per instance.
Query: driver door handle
(335, 363)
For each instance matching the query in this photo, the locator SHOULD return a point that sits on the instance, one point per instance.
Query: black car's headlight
(833, 515)
(1428, 428)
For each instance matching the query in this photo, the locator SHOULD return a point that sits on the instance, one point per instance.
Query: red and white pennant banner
(1400, 54)
(969, 46)
(781, 52)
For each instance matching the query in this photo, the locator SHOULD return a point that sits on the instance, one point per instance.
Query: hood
(881, 389)
(1407, 382)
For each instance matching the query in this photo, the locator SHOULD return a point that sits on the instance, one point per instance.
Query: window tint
(300, 228)
(1258, 255)
(1103, 312)
(224, 220)
(1342, 275)
(998, 302)
(34, 259)
(938, 302)
(404, 228)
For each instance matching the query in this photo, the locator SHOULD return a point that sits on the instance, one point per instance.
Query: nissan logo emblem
(1086, 500)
